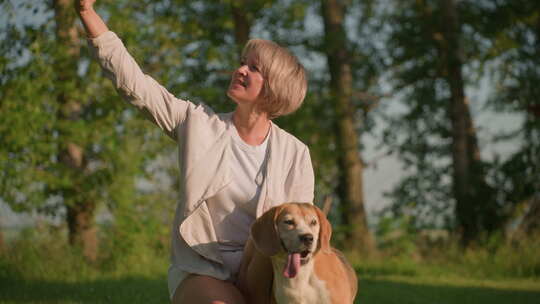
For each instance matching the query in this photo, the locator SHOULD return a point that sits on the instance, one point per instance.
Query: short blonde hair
(285, 79)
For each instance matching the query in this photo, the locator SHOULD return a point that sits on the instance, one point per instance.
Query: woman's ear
(325, 232)
(264, 233)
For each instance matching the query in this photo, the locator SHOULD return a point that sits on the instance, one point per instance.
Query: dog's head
(299, 230)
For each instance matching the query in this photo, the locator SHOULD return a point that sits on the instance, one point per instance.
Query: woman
(233, 166)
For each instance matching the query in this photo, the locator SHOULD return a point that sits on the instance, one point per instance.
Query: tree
(2, 245)
(475, 210)
(429, 54)
(73, 161)
(338, 56)
(242, 23)
(62, 133)
(513, 31)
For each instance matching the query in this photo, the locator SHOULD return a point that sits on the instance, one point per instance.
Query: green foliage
(40, 266)
(407, 251)
(34, 132)
(137, 235)
(423, 145)
(42, 253)
(515, 50)
(499, 41)
(397, 236)
(499, 258)
(506, 261)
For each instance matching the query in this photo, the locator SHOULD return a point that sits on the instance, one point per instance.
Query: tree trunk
(359, 238)
(2, 245)
(474, 211)
(82, 231)
(80, 212)
(242, 23)
(530, 224)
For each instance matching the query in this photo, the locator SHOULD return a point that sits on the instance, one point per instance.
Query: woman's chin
(232, 96)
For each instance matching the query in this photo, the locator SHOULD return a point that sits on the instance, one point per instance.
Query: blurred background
(422, 117)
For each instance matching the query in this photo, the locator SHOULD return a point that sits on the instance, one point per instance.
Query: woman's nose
(242, 69)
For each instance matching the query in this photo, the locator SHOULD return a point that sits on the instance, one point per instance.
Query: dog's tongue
(293, 263)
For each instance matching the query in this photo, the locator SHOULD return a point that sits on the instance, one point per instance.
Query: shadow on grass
(123, 290)
(147, 290)
(382, 291)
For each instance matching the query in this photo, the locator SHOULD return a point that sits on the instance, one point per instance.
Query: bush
(43, 252)
(405, 251)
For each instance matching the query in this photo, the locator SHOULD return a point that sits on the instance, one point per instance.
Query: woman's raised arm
(137, 88)
(92, 22)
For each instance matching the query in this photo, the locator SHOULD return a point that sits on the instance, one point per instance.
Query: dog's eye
(313, 222)
(289, 222)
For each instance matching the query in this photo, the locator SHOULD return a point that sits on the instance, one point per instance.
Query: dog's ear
(325, 232)
(264, 232)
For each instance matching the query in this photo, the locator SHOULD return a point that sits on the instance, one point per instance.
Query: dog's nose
(306, 238)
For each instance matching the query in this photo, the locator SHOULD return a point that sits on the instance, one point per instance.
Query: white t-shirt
(233, 209)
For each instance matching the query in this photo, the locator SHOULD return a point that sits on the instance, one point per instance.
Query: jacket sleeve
(141, 90)
(306, 180)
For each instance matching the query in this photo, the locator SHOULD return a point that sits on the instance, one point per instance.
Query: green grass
(381, 290)
(100, 290)
(426, 290)
(45, 270)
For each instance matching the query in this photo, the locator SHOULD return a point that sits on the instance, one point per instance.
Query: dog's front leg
(255, 278)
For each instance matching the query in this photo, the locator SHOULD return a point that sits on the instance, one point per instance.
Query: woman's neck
(252, 126)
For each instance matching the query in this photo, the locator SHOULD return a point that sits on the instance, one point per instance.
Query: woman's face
(247, 82)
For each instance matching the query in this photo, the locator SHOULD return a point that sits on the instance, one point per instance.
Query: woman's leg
(201, 289)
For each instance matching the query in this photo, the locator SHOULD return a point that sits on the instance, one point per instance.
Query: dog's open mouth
(294, 260)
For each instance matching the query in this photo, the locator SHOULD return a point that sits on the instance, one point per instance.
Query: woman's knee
(207, 290)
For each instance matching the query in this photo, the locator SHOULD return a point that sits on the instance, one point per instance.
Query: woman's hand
(82, 6)
(92, 22)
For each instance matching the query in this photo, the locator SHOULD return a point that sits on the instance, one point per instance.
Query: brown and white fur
(288, 259)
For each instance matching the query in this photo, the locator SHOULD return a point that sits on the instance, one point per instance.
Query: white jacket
(203, 138)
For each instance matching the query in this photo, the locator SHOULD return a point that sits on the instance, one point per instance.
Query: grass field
(425, 290)
(381, 290)
(48, 271)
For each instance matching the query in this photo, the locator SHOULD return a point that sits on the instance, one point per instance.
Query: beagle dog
(288, 259)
